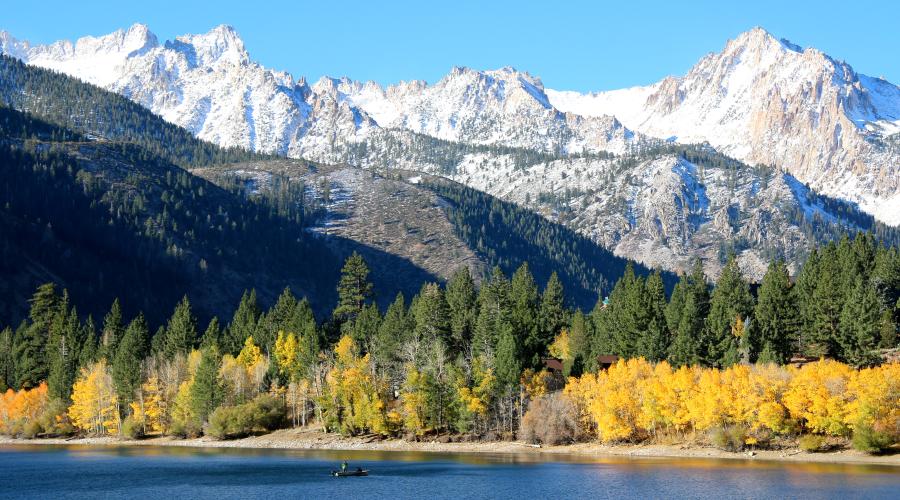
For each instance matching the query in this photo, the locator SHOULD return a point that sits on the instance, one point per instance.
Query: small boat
(349, 473)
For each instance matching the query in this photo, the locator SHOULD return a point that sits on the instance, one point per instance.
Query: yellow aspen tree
(94, 403)
(667, 395)
(769, 383)
(818, 396)
(875, 399)
(354, 397)
(615, 408)
(149, 409)
(413, 400)
(560, 347)
(17, 408)
(286, 350)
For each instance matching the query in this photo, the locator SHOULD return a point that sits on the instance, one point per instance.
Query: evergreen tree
(462, 304)
(805, 289)
(89, 351)
(113, 329)
(654, 343)
(602, 321)
(212, 334)
(7, 367)
(633, 315)
(354, 289)
(888, 331)
(63, 352)
(731, 301)
(493, 307)
(276, 320)
(158, 342)
(392, 332)
(243, 324)
(769, 355)
(524, 302)
(687, 345)
(507, 358)
(31, 346)
(827, 304)
(181, 331)
(302, 321)
(776, 318)
(206, 392)
(553, 309)
(579, 344)
(365, 328)
(432, 315)
(859, 328)
(676, 306)
(126, 366)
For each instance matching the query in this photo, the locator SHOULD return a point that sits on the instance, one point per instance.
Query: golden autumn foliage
(635, 399)
(560, 348)
(354, 400)
(818, 395)
(94, 403)
(150, 408)
(413, 401)
(18, 408)
(286, 350)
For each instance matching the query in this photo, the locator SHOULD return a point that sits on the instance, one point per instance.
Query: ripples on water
(171, 472)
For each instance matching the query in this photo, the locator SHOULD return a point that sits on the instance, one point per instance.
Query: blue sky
(590, 45)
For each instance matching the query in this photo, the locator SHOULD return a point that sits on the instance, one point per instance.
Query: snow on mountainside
(761, 100)
(502, 107)
(209, 85)
(767, 101)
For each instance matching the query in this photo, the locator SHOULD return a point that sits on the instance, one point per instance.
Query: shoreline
(314, 440)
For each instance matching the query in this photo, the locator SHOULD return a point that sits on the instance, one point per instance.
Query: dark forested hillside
(111, 218)
(508, 235)
(75, 105)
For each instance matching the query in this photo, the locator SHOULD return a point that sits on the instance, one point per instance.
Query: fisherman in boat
(344, 466)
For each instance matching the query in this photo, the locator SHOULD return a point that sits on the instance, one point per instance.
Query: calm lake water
(171, 472)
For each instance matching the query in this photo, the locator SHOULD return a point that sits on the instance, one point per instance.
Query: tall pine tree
(181, 331)
(776, 318)
(731, 301)
(126, 365)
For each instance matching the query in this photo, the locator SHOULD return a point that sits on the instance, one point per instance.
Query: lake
(179, 472)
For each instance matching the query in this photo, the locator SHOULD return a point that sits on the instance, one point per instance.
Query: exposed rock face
(767, 101)
(761, 100)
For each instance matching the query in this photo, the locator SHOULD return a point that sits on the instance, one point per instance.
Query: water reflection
(168, 472)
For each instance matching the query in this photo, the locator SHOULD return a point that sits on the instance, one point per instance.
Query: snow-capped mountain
(501, 107)
(761, 100)
(208, 84)
(767, 101)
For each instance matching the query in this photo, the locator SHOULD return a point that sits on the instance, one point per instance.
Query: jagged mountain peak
(220, 44)
(768, 101)
(760, 38)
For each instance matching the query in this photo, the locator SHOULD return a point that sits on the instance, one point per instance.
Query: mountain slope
(107, 216)
(767, 101)
(208, 85)
(822, 131)
(435, 224)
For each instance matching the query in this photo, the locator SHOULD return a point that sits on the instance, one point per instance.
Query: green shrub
(185, 428)
(812, 443)
(870, 440)
(54, 419)
(728, 438)
(132, 428)
(264, 413)
(31, 429)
